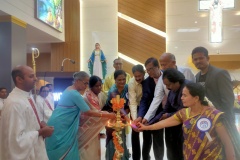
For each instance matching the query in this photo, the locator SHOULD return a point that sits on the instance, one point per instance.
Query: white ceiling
(184, 14)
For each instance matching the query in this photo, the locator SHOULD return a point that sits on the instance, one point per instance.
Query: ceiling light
(128, 59)
(203, 15)
(188, 30)
(238, 13)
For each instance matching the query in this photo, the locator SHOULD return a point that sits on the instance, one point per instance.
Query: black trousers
(136, 147)
(174, 142)
(155, 138)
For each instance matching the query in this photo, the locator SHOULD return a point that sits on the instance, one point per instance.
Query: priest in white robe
(43, 105)
(22, 133)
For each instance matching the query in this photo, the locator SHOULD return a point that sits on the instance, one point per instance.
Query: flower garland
(117, 106)
(117, 141)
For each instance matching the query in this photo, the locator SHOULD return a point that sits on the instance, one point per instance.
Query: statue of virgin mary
(97, 63)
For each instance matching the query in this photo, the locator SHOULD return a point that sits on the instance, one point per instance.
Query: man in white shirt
(135, 95)
(166, 60)
(160, 96)
(3, 96)
(22, 133)
(43, 105)
(148, 86)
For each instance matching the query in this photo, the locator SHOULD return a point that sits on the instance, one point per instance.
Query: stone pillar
(12, 48)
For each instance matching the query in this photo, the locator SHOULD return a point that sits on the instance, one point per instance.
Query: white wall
(25, 11)
(99, 24)
(182, 14)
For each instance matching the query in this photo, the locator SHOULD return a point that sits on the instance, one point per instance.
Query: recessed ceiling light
(195, 22)
(188, 30)
(203, 15)
(238, 13)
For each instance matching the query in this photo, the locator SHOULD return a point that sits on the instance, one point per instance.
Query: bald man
(168, 60)
(22, 132)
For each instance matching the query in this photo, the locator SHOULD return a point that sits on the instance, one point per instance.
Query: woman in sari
(205, 134)
(119, 88)
(90, 124)
(63, 144)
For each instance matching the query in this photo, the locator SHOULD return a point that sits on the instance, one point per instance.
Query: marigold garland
(117, 141)
(116, 106)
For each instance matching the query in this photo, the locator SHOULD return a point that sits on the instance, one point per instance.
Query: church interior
(59, 41)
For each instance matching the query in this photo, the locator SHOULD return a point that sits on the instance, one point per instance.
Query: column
(12, 48)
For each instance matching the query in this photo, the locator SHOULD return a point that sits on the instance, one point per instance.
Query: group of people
(170, 99)
(193, 129)
(22, 133)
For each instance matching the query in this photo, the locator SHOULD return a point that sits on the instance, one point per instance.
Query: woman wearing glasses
(43, 105)
(63, 143)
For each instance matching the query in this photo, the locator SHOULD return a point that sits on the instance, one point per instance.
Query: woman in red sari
(92, 124)
(205, 134)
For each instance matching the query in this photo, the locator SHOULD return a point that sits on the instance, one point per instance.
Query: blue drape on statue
(103, 62)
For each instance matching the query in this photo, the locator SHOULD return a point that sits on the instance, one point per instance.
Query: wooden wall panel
(43, 62)
(225, 61)
(151, 12)
(71, 47)
(139, 43)
(127, 67)
(136, 42)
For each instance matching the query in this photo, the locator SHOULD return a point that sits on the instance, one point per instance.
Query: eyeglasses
(150, 69)
(85, 83)
(45, 91)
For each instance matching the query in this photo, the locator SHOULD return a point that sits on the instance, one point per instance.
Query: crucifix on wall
(215, 8)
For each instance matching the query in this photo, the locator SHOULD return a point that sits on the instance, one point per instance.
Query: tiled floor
(103, 141)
